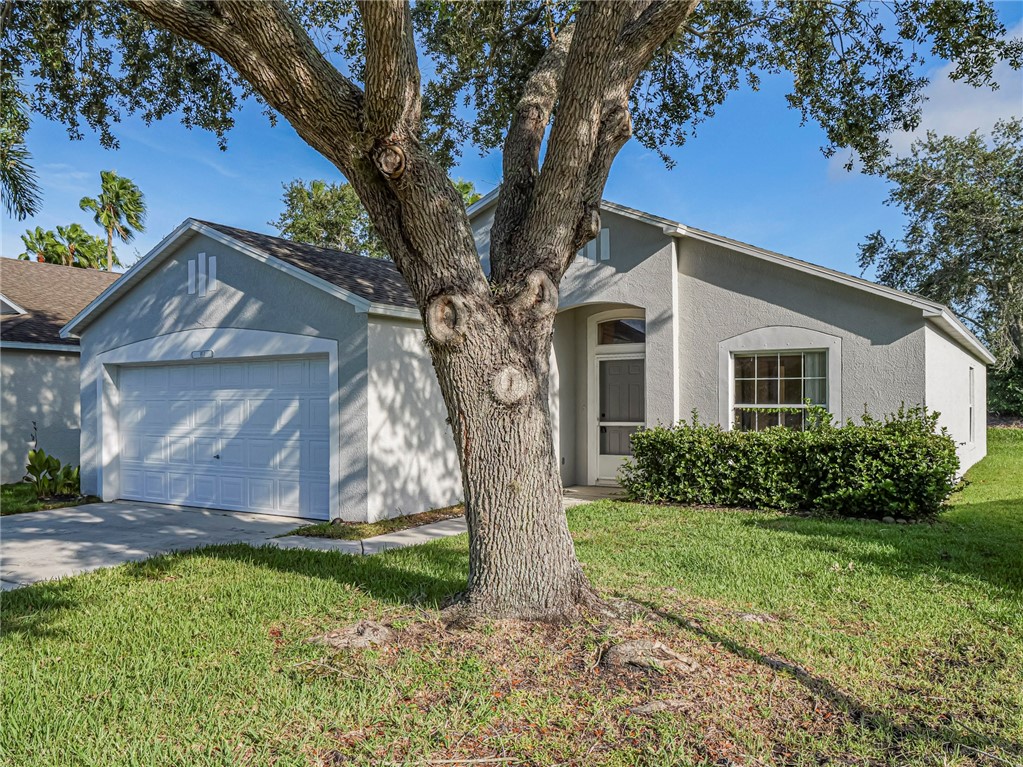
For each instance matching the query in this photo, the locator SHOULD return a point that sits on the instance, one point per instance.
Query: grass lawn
(17, 498)
(357, 531)
(818, 642)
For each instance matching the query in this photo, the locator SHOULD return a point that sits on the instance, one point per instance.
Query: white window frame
(595, 354)
(779, 339)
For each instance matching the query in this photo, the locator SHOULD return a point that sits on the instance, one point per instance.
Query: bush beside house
(901, 466)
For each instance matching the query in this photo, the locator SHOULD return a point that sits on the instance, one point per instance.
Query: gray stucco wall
(639, 273)
(948, 392)
(723, 293)
(413, 465)
(42, 387)
(251, 295)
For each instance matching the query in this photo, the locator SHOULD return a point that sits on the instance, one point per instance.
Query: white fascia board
(14, 305)
(139, 269)
(483, 202)
(402, 312)
(959, 332)
(29, 346)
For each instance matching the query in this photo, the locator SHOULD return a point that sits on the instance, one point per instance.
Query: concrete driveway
(41, 545)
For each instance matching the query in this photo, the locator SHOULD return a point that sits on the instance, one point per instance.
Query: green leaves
(901, 465)
(963, 238)
(331, 216)
(69, 246)
(48, 477)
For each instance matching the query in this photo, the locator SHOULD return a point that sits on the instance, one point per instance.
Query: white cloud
(956, 108)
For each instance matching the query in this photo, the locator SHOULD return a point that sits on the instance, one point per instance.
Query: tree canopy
(962, 244)
(330, 215)
(68, 246)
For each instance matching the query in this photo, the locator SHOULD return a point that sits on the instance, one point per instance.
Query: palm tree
(120, 209)
(69, 246)
(41, 245)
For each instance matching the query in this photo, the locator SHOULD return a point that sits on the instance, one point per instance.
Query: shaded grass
(881, 644)
(357, 531)
(18, 498)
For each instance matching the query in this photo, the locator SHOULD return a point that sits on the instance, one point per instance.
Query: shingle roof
(50, 295)
(374, 279)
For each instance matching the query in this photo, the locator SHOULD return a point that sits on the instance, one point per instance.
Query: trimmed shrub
(901, 466)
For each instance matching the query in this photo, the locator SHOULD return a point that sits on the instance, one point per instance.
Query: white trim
(777, 338)
(676, 336)
(29, 346)
(595, 353)
(225, 343)
(190, 226)
(14, 305)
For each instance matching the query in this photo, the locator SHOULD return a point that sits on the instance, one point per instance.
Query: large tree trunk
(492, 362)
(522, 561)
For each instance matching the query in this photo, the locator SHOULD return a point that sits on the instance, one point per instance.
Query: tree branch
(269, 49)
(393, 97)
(521, 156)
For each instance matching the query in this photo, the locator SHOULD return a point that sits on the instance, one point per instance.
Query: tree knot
(540, 295)
(390, 157)
(447, 317)
(510, 385)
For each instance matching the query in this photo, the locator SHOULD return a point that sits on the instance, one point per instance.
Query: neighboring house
(38, 368)
(234, 370)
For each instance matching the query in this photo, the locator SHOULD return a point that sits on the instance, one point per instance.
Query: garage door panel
(155, 486)
(178, 487)
(268, 421)
(204, 489)
(153, 449)
(261, 494)
(262, 414)
(232, 376)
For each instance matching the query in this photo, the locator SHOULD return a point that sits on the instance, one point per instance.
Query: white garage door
(245, 436)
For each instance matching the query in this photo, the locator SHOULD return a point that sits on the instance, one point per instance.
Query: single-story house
(39, 367)
(235, 370)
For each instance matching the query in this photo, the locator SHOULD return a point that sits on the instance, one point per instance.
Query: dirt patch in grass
(357, 531)
(548, 699)
(1005, 421)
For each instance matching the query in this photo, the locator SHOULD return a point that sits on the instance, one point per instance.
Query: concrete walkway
(43, 545)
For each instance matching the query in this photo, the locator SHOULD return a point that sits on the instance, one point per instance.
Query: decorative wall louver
(202, 275)
(597, 249)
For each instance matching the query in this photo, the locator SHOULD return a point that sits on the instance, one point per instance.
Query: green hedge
(901, 466)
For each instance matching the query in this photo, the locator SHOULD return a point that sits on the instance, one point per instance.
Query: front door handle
(217, 456)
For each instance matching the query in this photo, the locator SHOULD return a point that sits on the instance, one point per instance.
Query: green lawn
(17, 498)
(818, 642)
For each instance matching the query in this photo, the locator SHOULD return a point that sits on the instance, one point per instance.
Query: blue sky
(752, 173)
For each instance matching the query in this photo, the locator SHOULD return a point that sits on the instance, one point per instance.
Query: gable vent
(597, 249)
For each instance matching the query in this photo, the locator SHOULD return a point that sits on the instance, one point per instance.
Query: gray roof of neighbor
(377, 280)
(50, 295)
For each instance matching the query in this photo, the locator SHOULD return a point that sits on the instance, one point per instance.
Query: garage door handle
(217, 456)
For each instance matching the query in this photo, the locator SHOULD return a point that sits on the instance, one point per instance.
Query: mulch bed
(1005, 422)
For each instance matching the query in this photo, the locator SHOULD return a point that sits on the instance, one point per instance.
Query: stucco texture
(41, 387)
(413, 464)
(723, 294)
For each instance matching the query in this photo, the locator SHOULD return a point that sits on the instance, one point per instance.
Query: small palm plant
(120, 209)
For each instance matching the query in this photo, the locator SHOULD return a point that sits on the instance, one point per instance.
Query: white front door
(621, 410)
(245, 436)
